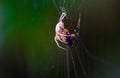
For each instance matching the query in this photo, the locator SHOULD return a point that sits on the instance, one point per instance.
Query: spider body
(63, 35)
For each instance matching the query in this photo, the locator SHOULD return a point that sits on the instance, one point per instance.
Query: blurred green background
(27, 48)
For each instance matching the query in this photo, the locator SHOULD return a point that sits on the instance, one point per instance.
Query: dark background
(27, 48)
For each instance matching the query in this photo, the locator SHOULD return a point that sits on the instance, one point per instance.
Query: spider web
(68, 6)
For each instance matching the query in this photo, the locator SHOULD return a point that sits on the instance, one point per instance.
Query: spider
(62, 34)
